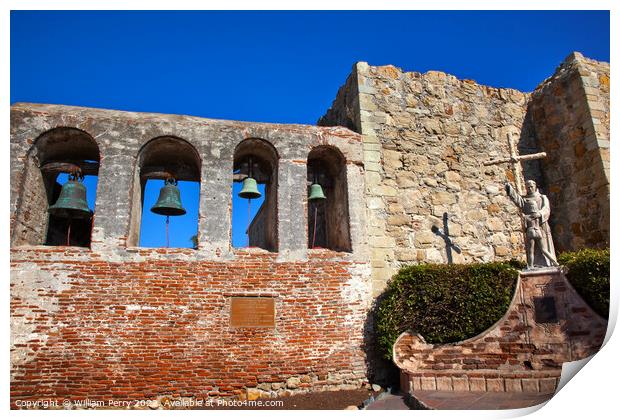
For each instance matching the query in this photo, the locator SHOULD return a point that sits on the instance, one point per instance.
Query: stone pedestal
(547, 324)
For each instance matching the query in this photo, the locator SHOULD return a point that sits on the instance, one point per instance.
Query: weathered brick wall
(87, 327)
(570, 114)
(425, 138)
(123, 322)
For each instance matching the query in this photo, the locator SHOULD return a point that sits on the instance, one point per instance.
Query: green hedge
(444, 303)
(588, 272)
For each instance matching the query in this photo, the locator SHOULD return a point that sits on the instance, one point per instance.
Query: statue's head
(530, 186)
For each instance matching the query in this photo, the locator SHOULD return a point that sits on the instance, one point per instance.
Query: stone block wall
(425, 138)
(570, 115)
(124, 322)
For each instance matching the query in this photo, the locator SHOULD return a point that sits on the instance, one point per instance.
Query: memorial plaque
(544, 310)
(256, 312)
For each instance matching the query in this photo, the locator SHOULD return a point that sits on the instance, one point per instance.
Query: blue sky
(281, 67)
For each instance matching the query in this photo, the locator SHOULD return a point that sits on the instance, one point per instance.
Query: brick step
(481, 381)
(454, 400)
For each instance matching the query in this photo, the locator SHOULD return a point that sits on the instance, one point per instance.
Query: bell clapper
(167, 231)
(249, 202)
(325, 230)
(249, 219)
(316, 208)
(69, 233)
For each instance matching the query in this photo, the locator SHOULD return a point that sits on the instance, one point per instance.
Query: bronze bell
(316, 192)
(249, 189)
(71, 203)
(169, 201)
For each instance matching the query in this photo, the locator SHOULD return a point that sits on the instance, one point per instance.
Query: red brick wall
(87, 327)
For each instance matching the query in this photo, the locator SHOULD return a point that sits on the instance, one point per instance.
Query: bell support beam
(87, 168)
(180, 173)
(259, 177)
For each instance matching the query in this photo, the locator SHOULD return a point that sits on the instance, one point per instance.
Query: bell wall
(124, 322)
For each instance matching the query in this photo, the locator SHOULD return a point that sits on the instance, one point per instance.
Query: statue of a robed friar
(536, 210)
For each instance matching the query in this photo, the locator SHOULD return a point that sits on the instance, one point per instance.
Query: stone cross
(515, 158)
(445, 235)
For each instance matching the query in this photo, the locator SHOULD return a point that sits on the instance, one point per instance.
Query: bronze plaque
(257, 312)
(544, 310)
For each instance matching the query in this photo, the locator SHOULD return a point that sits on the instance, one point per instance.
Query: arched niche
(262, 230)
(159, 159)
(53, 155)
(328, 219)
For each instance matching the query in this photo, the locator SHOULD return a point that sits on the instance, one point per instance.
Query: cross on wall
(515, 159)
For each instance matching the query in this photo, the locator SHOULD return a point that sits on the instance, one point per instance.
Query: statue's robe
(545, 212)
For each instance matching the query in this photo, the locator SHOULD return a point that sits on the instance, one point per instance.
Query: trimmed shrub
(444, 302)
(588, 272)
